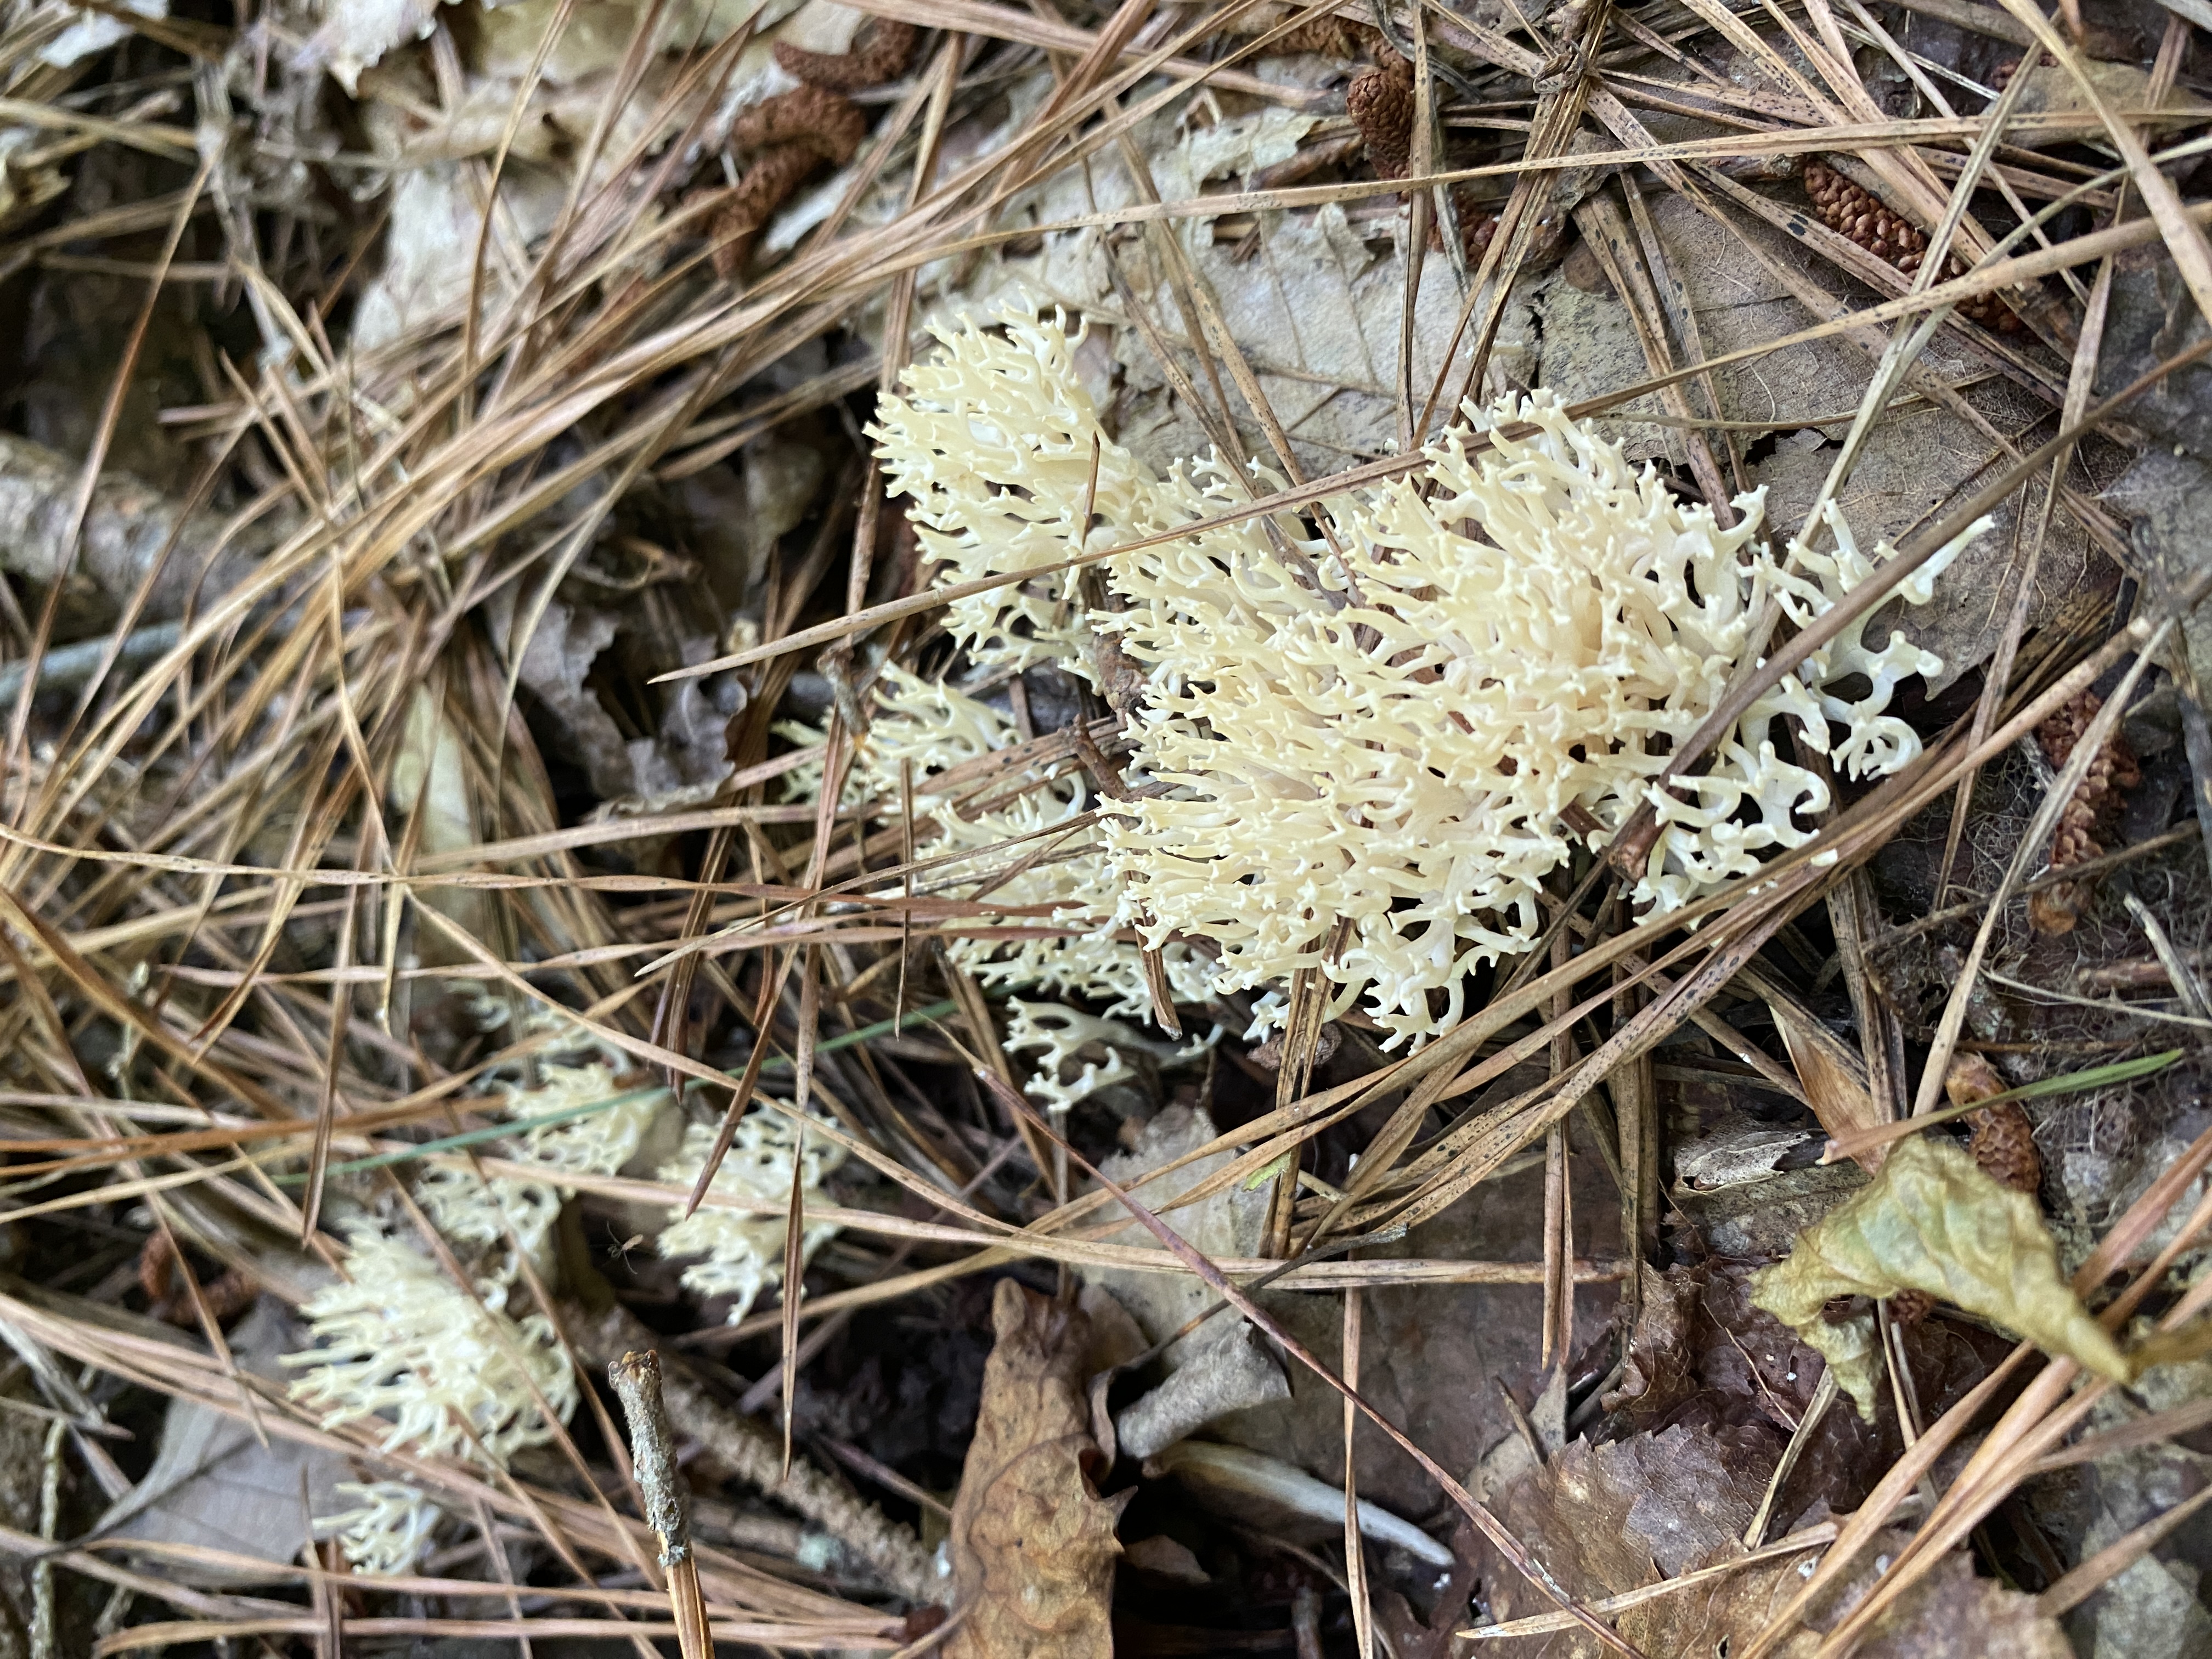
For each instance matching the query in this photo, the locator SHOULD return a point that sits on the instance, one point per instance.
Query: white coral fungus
(401, 1340)
(1059, 901)
(388, 1527)
(608, 1126)
(743, 1253)
(452, 1377)
(1383, 725)
(1065, 1040)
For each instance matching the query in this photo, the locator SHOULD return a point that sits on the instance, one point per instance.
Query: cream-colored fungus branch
(1390, 725)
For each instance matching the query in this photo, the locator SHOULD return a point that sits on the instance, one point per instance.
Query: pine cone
(2085, 817)
(880, 52)
(1849, 211)
(1380, 102)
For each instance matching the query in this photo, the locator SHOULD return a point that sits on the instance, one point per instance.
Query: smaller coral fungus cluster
(443, 1363)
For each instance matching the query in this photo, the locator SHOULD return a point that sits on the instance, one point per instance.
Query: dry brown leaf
(214, 1484)
(1832, 1075)
(1032, 1543)
(1613, 1519)
(1933, 1220)
(1950, 1614)
(1610, 1519)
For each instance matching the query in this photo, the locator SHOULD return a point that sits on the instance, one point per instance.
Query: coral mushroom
(743, 1253)
(1377, 733)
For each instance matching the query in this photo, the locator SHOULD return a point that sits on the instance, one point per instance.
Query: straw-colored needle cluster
(1377, 722)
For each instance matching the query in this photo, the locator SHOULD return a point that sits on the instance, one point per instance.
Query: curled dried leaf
(1932, 1220)
(1032, 1543)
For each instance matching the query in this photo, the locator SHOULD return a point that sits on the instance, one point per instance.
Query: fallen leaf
(1231, 1223)
(1951, 1613)
(1702, 1356)
(1831, 1072)
(1032, 1543)
(1436, 1637)
(1606, 1520)
(214, 1485)
(1614, 1519)
(2156, 1605)
(1933, 1220)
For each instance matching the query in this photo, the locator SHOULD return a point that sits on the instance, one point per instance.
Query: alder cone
(167, 1296)
(1971, 1078)
(1911, 1307)
(2003, 1144)
(1331, 36)
(825, 123)
(745, 211)
(2003, 1141)
(2076, 839)
(1380, 102)
(1861, 215)
(880, 52)
(792, 134)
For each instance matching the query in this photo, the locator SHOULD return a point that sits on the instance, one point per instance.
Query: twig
(1823, 1397)
(754, 1455)
(636, 1379)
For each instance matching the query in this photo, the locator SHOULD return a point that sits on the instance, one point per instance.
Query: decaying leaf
(1952, 1613)
(1032, 1543)
(1613, 1520)
(1933, 1220)
(213, 1484)
(1834, 1076)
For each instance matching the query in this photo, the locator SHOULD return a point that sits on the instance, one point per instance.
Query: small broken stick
(636, 1380)
(881, 51)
